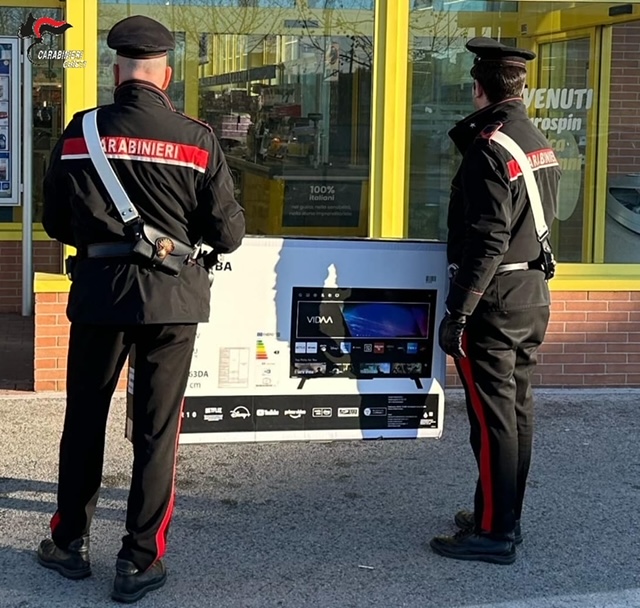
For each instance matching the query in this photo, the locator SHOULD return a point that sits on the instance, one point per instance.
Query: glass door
(618, 214)
(562, 105)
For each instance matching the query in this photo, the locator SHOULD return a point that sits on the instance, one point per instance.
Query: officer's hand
(450, 335)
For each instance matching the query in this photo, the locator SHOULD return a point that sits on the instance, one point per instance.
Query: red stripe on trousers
(55, 521)
(486, 480)
(161, 536)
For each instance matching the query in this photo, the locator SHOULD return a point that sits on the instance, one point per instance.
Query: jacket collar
(469, 128)
(143, 92)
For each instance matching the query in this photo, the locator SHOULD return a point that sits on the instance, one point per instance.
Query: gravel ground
(290, 525)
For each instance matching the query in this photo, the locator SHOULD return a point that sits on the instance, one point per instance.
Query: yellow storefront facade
(334, 116)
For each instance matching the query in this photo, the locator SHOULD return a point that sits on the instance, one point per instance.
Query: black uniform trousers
(501, 352)
(161, 357)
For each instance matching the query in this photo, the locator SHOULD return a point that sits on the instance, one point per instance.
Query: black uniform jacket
(490, 220)
(175, 174)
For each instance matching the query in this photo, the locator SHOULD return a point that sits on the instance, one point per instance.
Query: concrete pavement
(290, 525)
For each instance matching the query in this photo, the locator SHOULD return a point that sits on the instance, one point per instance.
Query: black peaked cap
(140, 37)
(490, 50)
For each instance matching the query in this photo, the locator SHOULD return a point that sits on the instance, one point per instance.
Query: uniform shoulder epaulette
(489, 130)
(200, 122)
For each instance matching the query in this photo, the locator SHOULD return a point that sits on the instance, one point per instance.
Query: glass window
(441, 96)
(350, 4)
(217, 3)
(288, 93)
(622, 219)
(575, 77)
(560, 106)
(465, 5)
(47, 104)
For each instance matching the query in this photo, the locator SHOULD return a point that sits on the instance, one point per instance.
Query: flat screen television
(362, 333)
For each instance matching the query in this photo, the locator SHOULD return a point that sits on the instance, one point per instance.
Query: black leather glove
(450, 335)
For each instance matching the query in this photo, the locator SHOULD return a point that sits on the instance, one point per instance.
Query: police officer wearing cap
(498, 301)
(130, 297)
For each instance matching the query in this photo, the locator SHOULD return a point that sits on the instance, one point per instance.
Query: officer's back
(510, 117)
(174, 172)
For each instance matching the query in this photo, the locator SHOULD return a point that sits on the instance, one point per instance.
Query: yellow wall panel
(388, 199)
(80, 84)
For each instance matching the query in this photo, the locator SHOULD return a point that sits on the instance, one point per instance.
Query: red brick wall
(51, 343)
(593, 340)
(47, 257)
(624, 115)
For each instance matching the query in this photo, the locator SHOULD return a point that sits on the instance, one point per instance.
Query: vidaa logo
(317, 320)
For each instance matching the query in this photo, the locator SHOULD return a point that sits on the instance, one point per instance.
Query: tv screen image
(362, 333)
(375, 320)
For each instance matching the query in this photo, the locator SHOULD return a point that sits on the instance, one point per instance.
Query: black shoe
(131, 584)
(465, 520)
(473, 547)
(72, 562)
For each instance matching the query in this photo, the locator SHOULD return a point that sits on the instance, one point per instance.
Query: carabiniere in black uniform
(120, 304)
(499, 291)
(175, 173)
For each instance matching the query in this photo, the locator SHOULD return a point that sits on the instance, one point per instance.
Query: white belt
(453, 268)
(509, 267)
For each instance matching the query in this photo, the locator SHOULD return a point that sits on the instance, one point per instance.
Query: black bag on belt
(162, 250)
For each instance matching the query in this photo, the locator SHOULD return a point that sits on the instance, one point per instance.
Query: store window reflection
(560, 99)
(466, 5)
(287, 88)
(560, 106)
(440, 97)
(47, 106)
(441, 93)
(622, 220)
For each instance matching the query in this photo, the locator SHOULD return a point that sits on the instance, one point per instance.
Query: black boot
(467, 545)
(72, 562)
(131, 584)
(465, 520)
